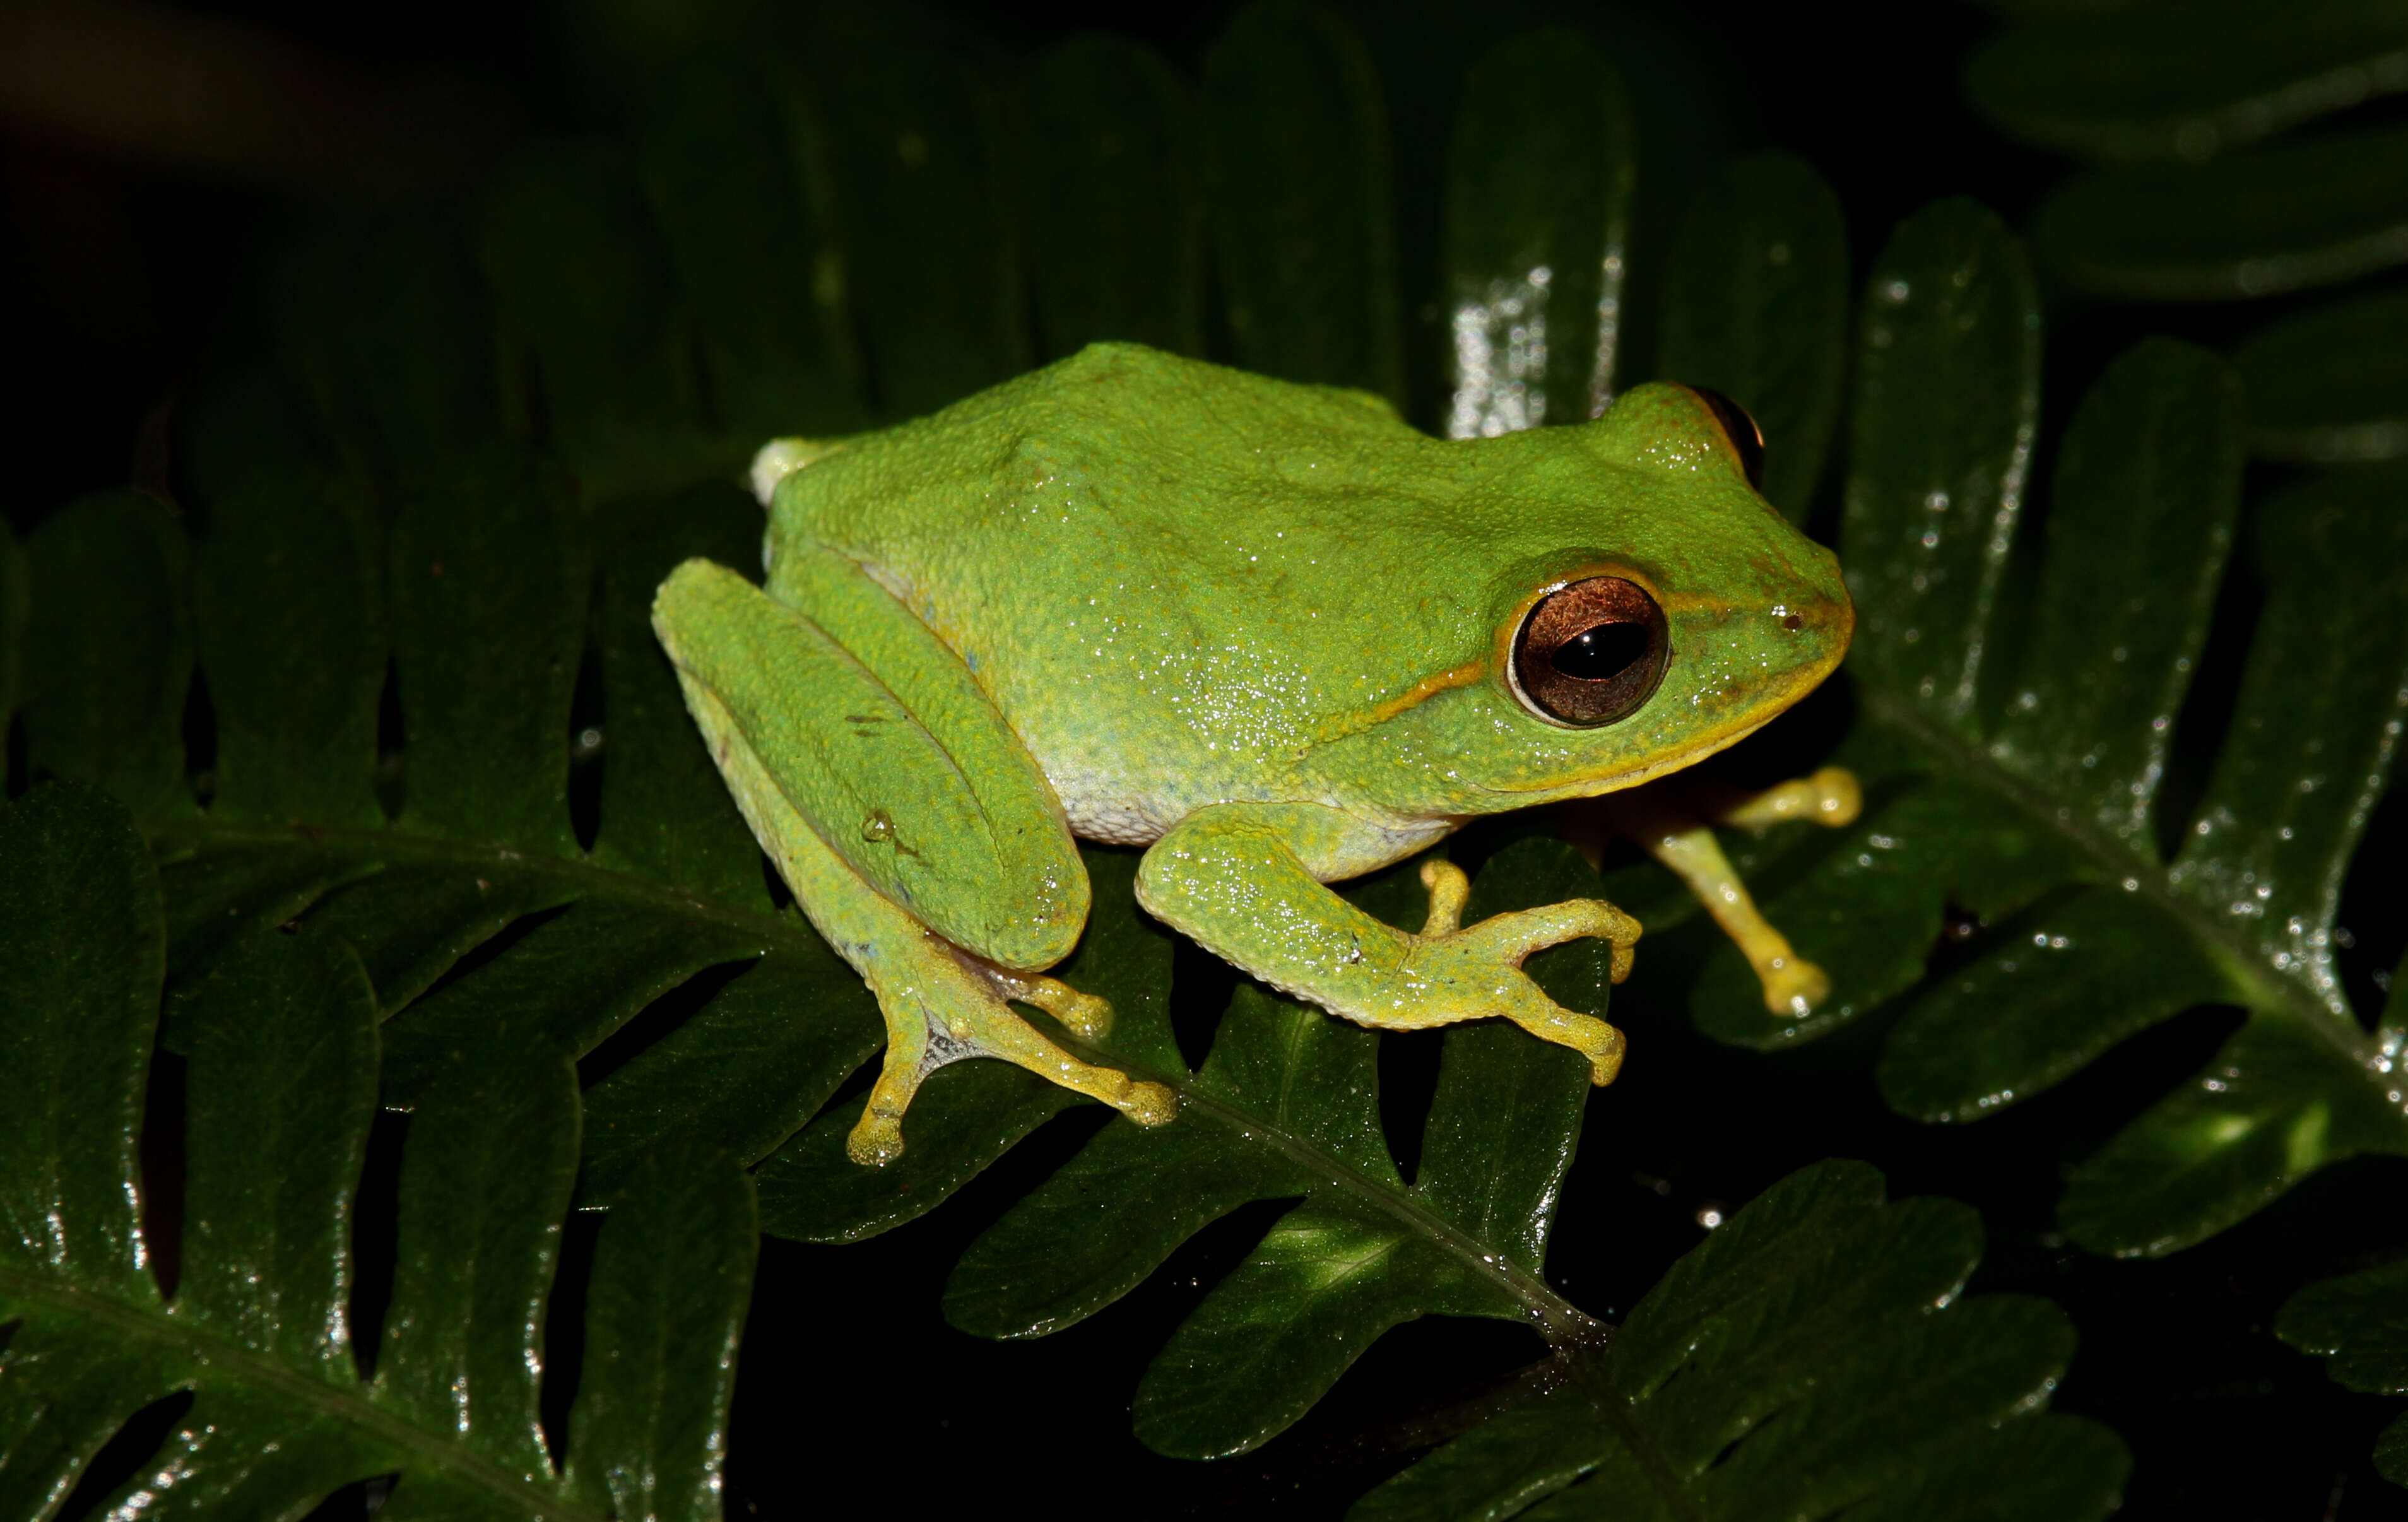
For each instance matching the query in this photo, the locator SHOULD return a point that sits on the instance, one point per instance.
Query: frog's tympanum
(1275, 636)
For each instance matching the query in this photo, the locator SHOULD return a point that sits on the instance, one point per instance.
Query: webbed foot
(1453, 972)
(942, 1005)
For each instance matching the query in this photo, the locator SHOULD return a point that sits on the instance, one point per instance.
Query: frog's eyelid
(1740, 428)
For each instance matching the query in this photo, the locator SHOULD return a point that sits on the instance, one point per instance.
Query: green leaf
(491, 613)
(2281, 1100)
(565, 985)
(108, 650)
(1112, 183)
(740, 1075)
(80, 934)
(931, 254)
(2355, 1323)
(391, 333)
(289, 607)
(2358, 1324)
(489, 596)
(282, 1084)
(735, 169)
(2101, 965)
(664, 1315)
(280, 1089)
(1757, 307)
(2037, 811)
(1286, 1106)
(491, 1157)
(1946, 407)
(582, 285)
(2184, 80)
(1814, 1356)
(1298, 179)
(2276, 219)
(1538, 227)
(2328, 386)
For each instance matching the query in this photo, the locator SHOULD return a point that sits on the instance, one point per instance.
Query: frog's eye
(1590, 652)
(1746, 438)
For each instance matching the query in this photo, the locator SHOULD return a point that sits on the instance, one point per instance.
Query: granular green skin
(1268, 630)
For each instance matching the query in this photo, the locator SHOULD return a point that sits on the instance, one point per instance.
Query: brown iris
(1591, 652)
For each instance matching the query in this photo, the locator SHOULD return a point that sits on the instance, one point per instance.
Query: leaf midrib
(2261, 989)
(395, 846)
(1578, 1340)
(204, 1350)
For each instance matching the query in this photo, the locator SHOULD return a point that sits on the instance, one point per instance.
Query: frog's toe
(1838, 796)
(1148, 1104)
(1831, 797)
(877, 1139)
(1794, 985)
(1605, 1062)
(1083, 1015)
(1086, 1016)
(1449, 888)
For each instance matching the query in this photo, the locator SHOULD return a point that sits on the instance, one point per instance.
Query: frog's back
(1181, 584)
(1132, 551)
(1118, 436)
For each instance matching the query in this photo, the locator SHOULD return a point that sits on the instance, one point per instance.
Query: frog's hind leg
(916, 833)
(1674, 822)
(940, 1004)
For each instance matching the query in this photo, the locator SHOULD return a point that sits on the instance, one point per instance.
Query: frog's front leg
(914, 829)
(1674, 821)
(1237, 878)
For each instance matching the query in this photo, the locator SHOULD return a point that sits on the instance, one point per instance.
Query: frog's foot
(1466, 974)
(942, 1006)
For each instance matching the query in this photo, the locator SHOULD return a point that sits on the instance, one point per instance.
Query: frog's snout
(1815, 623)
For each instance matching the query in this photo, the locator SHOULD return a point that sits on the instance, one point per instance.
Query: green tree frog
(1271, 633)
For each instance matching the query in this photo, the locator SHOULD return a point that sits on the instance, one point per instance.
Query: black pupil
(1601, 651)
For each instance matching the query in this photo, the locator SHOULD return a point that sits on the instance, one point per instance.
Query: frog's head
(1645, 606)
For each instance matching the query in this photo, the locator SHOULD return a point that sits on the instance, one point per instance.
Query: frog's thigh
(940, 1004)
(869, 732)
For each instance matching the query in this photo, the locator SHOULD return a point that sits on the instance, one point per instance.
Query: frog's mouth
(1723, 740)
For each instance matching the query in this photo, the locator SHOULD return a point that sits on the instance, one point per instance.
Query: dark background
(127, 206)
